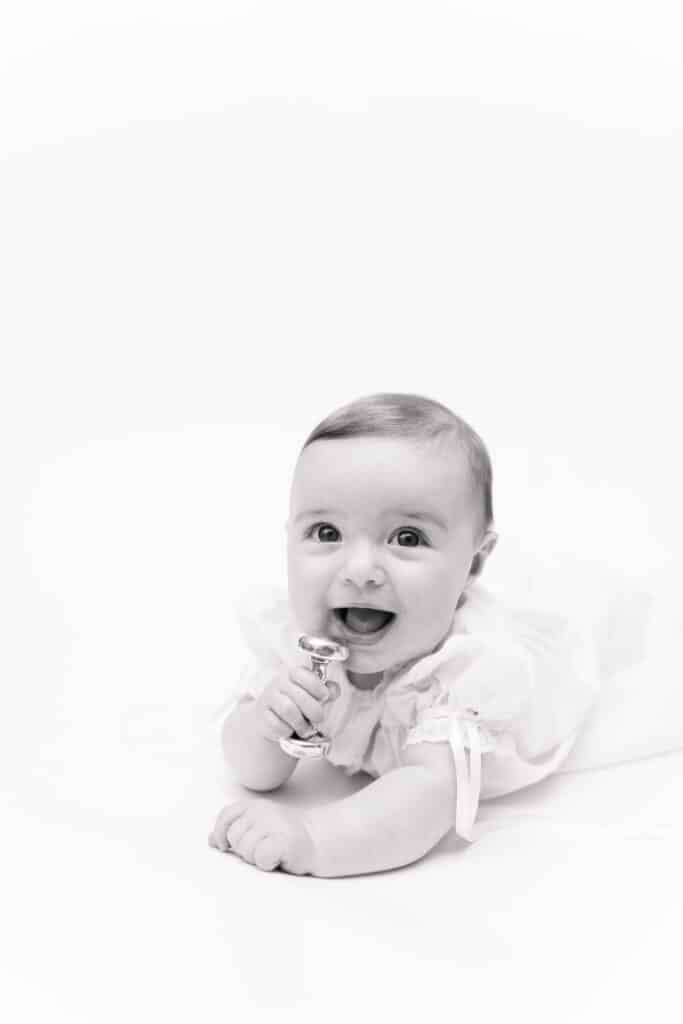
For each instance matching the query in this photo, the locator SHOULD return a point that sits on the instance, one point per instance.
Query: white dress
(508, 688)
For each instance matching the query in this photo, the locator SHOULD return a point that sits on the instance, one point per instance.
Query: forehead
(375, 472)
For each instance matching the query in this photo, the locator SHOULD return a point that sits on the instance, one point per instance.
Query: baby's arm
(394, 821)
(256, 762)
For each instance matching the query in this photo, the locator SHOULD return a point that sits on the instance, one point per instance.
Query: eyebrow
(421, 516)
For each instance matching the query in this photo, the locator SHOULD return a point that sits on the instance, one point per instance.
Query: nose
(361, 566)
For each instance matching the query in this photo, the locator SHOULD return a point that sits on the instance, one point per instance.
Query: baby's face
(354, 538)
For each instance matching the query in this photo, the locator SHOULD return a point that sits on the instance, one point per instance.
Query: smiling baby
(448, 695)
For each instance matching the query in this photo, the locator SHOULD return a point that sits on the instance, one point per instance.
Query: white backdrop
(222, 220)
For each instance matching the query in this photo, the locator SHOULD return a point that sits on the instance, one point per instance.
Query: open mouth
(364, 624)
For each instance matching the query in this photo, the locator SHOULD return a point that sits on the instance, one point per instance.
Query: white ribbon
(467, 772)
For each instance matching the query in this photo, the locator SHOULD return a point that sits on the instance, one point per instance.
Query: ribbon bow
(466, 732)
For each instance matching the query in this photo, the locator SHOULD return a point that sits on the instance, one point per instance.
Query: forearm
(257, 763)
(393, 821)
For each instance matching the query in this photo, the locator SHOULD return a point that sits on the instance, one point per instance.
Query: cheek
(306, 583)
(433, 597)
(310, 567)
(298, 566)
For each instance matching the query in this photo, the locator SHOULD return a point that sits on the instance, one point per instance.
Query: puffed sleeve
(511, 712)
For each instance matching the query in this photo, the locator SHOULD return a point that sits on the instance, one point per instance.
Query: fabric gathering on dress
(508, 688)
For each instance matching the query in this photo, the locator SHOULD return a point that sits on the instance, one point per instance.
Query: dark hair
(414, 417)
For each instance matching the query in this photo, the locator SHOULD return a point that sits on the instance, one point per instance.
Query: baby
(447, 695)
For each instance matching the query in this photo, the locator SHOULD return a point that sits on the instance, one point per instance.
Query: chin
(367, 662)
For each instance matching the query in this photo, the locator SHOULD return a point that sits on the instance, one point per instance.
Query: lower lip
(362, 639)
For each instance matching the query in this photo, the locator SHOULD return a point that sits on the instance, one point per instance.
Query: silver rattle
(322, 652)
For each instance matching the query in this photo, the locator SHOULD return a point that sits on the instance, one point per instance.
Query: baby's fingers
(294, 706)
(225, 819)
(268, 853)
(310, 705)
(308, 680)
(216, 846)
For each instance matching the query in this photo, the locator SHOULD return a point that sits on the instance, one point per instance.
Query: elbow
(262, 785)
(259, 779)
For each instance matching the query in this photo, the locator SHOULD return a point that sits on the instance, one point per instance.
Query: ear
(485, 548)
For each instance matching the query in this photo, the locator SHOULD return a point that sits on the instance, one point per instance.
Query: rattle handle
(319, 666)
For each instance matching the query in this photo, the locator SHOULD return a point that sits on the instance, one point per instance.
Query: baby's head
(391, 508)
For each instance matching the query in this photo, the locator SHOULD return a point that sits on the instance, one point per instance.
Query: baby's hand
(292, 704)
(266, 835)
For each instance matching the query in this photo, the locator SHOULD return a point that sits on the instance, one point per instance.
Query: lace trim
(435, 728)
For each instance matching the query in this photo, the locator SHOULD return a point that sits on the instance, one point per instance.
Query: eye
(410, 533)
(322, 526)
